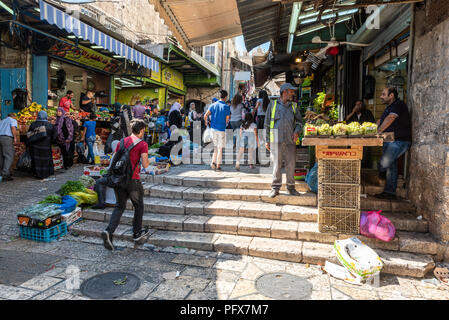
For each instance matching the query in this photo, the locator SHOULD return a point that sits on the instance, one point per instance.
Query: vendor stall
(339, 183)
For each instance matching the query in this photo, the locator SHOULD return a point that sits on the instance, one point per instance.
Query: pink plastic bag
(375, 225)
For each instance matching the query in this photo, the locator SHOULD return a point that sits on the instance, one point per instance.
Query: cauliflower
(339, 129)
(354, 128)
(369, 128)
(325, 130)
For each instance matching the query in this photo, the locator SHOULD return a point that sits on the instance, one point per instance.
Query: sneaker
(293, 192)
(237, 167)
(107, 240)
(143, 233)
(219, 169)
(386, 196)
(213, 166)
(273, 193)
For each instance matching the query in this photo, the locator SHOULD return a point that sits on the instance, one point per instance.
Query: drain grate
(110, 285)
(284, 286)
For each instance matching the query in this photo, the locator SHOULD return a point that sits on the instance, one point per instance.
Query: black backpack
(121, 171)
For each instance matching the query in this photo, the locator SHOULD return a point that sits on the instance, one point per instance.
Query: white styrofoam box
(72, 216)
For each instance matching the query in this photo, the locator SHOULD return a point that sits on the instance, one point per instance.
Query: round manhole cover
(284, 286)
(110, 285)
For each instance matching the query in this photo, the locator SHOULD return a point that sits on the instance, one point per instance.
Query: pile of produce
(72, 186)
(41, 211)
(28, 115)
(310, 130)
(339, 129)
(369, 128)
(87, 181)
(354, 128)
(325, 130)
(55, 199)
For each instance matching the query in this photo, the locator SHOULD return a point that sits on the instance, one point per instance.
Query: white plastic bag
(207, 136)
(358, 258)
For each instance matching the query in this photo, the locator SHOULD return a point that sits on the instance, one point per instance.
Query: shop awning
(200, 22)
(82, 30)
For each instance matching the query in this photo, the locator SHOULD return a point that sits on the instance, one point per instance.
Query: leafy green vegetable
(72, 186)
(87, 181)
(318, 102)
(41, 211)
(52, 199)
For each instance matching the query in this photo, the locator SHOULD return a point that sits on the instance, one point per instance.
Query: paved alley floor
(54, 271)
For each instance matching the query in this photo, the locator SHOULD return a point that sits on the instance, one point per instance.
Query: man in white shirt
(8, 136)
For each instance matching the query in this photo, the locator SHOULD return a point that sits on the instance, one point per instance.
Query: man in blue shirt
(8, 136)
(90, 137)
(219, 113)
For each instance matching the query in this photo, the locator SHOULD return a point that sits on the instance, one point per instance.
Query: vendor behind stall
(87, 102)
(396, 118)
(66, 101)
(360, 114)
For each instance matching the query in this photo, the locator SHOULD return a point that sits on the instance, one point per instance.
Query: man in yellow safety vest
(283, 123)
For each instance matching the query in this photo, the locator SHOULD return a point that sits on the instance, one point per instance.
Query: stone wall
(429, 101)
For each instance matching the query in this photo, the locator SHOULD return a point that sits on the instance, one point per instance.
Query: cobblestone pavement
(38, 271)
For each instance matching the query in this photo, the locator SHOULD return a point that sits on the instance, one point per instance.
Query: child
(90, 137)
(248, 132)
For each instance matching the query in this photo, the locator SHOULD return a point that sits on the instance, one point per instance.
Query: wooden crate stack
(339, 188)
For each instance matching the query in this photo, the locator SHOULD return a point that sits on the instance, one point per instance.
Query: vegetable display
(354, 128)
(339, 129)
(72, 186)
(325, 130)
(369, 128)
(85, 197)
(55, 199)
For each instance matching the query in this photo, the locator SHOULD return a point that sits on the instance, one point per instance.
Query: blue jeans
(391, 151)
(90, 145)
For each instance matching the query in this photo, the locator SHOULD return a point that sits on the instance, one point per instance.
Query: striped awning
(73, 25)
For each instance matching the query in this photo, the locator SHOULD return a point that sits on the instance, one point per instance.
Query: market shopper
(134, 190)
(40, 146)
(87, 103)
(283, 123)
(396, 119)
(139, 110)
(236, 112)
(64, 138)
(174, 116)
(259, 112)
(89, 136)
(219, 113)
(8, 136)
(249, 139)
(360, 114)
(66, 101)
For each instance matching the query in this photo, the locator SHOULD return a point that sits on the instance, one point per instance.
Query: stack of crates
(339, 187)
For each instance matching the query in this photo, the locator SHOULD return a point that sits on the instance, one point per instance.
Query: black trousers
(100, 189)
(67, 155)
(134, 192)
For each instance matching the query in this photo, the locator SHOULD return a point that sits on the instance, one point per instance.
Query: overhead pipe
(293, 24)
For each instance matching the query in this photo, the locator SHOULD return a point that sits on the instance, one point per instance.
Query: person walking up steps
(248, 137)
(132, 188)
(219, 113)
(283, 123)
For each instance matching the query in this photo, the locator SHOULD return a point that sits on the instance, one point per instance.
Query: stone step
(257, 195)
(259, 210)
(292, 230)
(398, 263)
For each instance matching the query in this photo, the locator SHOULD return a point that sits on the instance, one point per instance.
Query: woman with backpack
(64, 137)
(249, 139)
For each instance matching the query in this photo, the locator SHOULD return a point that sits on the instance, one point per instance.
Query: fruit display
(354, 128)
(310, 130)
(369, 128)
(339, 129)
(325, 130)
(28, 115)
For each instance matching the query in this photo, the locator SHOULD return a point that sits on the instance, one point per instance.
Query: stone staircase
(197, 208)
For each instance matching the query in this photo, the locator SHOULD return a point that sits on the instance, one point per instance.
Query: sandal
(442, 274)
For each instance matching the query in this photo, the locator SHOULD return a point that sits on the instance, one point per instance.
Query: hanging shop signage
(85, 56)
(173, 78)
(156, 76)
